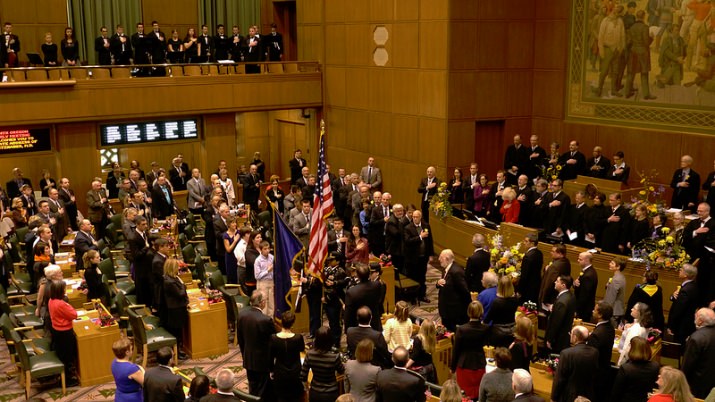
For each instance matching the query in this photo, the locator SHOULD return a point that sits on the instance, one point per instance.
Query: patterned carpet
(11, 390)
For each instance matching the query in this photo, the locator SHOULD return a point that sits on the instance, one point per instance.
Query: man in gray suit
(301, 223)
(371, 175)
(197, 192)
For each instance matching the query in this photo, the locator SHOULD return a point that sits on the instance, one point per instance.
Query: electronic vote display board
(17, 140)
(113, 135)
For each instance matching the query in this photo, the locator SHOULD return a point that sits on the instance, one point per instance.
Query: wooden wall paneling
(697, 146)
(492, 44)
(79, 158)
(548, 94)
(460, 146)
(335, 85)
(50, 12)
(219, 142)
(407, 10)
(163, 154)
(311, 45)
(488, 137)
(462, 99)
(19, 13)
(433, 10)
(334, 11)
(518, 93)
(380, 88)
(432, 43)
(179, 13)
(463, 54)
(356, 87)
(356, 11)
(382, 10)
(403, 45)
(556, 9)
(335, 47)
(336, 127)
(463, 10)
(433, 93)
(432, 141)
(550, 42)
(378, 135)
(253, 135)
(520, 44)
(357, 126)
(546, 128)
(359, 44)
(513, 126)
(403, 142)
(407, 98)
(491, 94)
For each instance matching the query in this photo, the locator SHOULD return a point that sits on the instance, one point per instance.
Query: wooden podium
(602, 185)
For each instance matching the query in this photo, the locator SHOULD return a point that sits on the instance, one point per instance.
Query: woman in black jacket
(468, 359)
(636, 377)
(651, 294)
(175, 301)
(93, 277)
(324, 363)
(501, 313)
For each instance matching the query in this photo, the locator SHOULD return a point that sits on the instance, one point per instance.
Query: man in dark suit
(418, 250)
(378, 223)
(524, 194)
(537, 155)
(454, 296)
(365, 293)
(58, 211)
(83, 242)
(140, 255)
(254, 339)
(573, 162)
(598, 165)
(575, 216)
(602, 338)
(296, 166)
(516, 160)
(685, 302)
(495, 196)
(254, 50)
(395, 237)
(698, 232)
(427, 189)
(560, 265)
(224, 385)
(685, 185)
(523, 387)
(274, 44)
(558, 205)
(477, 263)
(699, 357)
(709, 186)
(160, 382)
(578, 366)
(220, 226)
(301, 222)
(531, 265)
(539, 206)
(471, 182)
(66, 194)
(619, 171)
(586, 285)
(121, 47)
(338, 240)
(237, 44)
(222, 43)
(141, 45)
(101, 46)
(28, 200)
(615, 233)
(562, 315)
(156, 275)
(207, 45)
(380, 356)
(177, 175)
(157, 44)
(399, 385)
(13, 186)
(162, 199)
(252, 188)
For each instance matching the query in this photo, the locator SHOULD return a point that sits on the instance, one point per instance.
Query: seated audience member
(642, 321)
(523, 387)
(286, 348)
(522, 347)
(468, 359)
(325, 364)
(451, 392)
(636, 377)
(64, 341)
(200, 385)
(398, 384)
(496, 385)
(361, 374)
(128, 376)
(160, 382)
(423, 346)
(397, 329)
(672, 387)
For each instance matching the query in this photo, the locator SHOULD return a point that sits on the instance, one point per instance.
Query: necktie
(338, 235)
(166, 194)
(385, 212)
(572, 154)
(369, 174)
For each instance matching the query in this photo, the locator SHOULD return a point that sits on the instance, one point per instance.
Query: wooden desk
(302, 318)
(602, 185)
(75, 298)
(443, 360)
(542, 380)
(67, 243)
(94, 350)
(388, 276)
(206, 333)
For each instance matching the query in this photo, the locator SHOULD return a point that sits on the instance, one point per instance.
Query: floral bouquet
(385, 260)
(661, 253)
(183, 268)
(650, 196)
(439, 203)
(504, 260)
(441, 331)
(105, 318)
(551, 172)
(552, 363)
(214, 296)
(653, 335)
(529, 307)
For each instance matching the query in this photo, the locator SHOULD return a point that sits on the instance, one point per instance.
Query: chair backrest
(240, 69)
(137, 324)
(231, 308)
(7, 326)
(183, 241)
(121, 72)
(188, 253)
(105, 253)
(78, 73)
(192, 70)
(15, 249)
(216, 280)
(22, 232)
(107, 268)
(110, 233)
(20, 351)
(101, 244)
(275, 68)
(116, 219)
(189, 232)
(18, 75)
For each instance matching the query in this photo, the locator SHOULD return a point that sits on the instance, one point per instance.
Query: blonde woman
(423, 346)
(522, 348)
(450, 392)
(672, 387)
(501, 313)
(510, 208)
(227, 186)
(398, 329)
(175, 300)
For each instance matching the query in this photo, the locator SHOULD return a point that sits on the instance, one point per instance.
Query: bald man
(427, 189)
(699, 357)
(578, 366)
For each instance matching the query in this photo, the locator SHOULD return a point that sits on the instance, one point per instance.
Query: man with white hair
(578, 366)
(685, 302)
(224, 383)
(523, 387)
(487, 296)
(395, 236)
(378, 223)
(427, 189)
(685, 185)
(699, 357)
(454, 296)
(477, 263)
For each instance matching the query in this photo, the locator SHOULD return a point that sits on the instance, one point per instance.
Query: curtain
(243, 13)
(87, 16)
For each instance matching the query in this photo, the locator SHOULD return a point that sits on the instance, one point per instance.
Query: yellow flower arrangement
(439, 203)
(504, 260)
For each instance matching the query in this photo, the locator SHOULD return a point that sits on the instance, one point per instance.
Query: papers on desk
(673, 210)
(692, 217)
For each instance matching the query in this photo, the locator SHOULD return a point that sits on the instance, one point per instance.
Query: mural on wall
(647, 63)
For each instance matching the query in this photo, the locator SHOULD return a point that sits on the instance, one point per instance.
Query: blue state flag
(287, 249)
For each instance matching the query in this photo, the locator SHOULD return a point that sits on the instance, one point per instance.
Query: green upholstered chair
(38, 366)
(149, 339)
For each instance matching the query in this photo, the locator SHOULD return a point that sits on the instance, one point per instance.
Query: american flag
(322, 208)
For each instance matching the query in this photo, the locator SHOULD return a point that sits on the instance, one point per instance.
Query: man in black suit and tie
(207, 45)
(222, 43)
(13, 186)
(615, 233)
(619, 171)
(141, 45)
(83, 242)
(220, 226)
(156, 275)
(67, 197)
(296, 166)
(685, 302)
(699, 357)
(365, 293)
(380, 356)
(562, 315)
(427, 189)
(237, 44)
(252, 188)
(177, 175)
(578, 366)
(598, 165)
(524, 194)
(495, 196)
(516, 160)
(254, 339)
(477, 263)
(395, 237)
(254, 51)
(101, 46)
(685, 185)
(523, 387)
(537, 155)
(699, 241)
(141, 256)
(163, 199)
(539, 204)
(573, 162)
(558, 204)
(586, 285)
(160, 382)
(121, 47)
(575, 216)
(454, 296)
(709, 186)
(399, 385)
(157, 44)
(224, 385)
(602, 338)
(560, 265)
(471, 182)
(338, 240)
(418, 250)
(531, 265)
(378, 223)
(58, 211)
